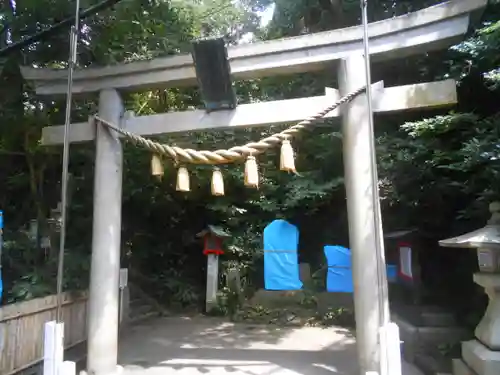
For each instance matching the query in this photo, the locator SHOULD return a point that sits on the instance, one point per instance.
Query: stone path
(211, 346)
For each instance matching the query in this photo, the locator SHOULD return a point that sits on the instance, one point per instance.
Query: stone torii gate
(429, 29)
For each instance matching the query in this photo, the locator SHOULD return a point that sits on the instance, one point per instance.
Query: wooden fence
(22, 325)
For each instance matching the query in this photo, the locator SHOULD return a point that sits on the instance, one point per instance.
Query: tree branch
(54, 29)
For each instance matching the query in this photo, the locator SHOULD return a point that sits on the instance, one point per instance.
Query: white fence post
(394, 348)
(67, 368)
(53, 347)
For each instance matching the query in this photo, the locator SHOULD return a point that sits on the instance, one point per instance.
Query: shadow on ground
(213, 346)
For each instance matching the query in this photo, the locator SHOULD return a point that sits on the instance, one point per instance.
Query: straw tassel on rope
(217, 183)
(182, 179)
(287, 162)
(157, 169)
(251, 172)
(287, 158)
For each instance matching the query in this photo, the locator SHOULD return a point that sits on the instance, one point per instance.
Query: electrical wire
(379, 245)
(103, 5)
(64, 176)
(55, 28)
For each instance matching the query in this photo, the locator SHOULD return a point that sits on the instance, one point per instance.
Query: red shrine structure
(213, 238)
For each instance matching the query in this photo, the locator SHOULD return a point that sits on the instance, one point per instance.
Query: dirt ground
(204, 345)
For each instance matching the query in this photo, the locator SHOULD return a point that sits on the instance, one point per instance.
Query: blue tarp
(339, 275)
(392, 273)
(281, 267)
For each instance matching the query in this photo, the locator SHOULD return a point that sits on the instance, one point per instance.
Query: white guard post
(53, 347)
(212, 281)
(389, 334)
(67, 368)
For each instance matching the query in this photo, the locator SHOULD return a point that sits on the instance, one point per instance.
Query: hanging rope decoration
(182, 179)
(157, 168)
(287, 158)
(183, 156)
(217, 183)
(251, 172)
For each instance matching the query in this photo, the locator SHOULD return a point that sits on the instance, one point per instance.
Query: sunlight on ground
(211, 346)
(236, 367)
(228, 366)
(208, 346)
(222, 336)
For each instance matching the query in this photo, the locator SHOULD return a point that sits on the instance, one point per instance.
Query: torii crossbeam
(392, 99)
(432, 28)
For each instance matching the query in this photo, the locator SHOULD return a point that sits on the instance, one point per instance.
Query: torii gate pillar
(102, 343)
(361, 195)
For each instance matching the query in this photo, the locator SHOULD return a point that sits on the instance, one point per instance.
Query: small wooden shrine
(213, 238)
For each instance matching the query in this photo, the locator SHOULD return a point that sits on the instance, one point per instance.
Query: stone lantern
(482, 355)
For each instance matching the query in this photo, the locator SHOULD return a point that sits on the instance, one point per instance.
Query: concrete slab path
(212, 346)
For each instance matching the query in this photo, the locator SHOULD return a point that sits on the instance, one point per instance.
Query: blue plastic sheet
(392, 273)
(281, 267)
(339, 275)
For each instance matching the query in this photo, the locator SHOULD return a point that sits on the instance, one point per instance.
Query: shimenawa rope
(186, 155)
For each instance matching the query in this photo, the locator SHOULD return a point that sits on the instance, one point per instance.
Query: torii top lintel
(432, 28)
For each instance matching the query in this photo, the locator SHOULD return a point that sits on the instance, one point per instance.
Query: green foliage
(32, 269)
(294, 17)
(424, 166)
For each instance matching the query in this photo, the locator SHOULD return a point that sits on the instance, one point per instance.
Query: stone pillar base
(461, 368)
(118, 371)
(477, 360)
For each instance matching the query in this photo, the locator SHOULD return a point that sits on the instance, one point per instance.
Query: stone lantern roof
(214, 230)
(489, 235)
